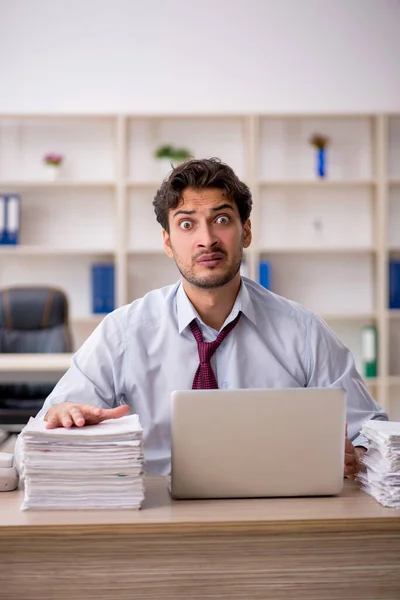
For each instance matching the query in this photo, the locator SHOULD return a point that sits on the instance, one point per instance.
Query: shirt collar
(186, 311)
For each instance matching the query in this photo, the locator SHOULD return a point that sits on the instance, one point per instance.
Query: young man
(141, 352)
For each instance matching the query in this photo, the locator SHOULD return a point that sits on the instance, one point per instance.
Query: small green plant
(172, 153)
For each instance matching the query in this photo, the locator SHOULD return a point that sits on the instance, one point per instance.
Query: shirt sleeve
(95, 374)
(331, 364)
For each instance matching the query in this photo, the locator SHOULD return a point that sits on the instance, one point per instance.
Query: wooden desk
(33, 367)
(346, 548)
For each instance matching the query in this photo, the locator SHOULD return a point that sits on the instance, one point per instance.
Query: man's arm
(91, 388)
(331, 364)
(95, 375)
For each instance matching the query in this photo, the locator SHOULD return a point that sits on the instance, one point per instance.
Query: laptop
(257, 443)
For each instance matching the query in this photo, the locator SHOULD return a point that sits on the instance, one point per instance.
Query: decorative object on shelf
(10, 210)
(369, 350)
(394, 284)
(264, 274)
(170, 157)
(52, 165)
(320, 142)
(103, 285)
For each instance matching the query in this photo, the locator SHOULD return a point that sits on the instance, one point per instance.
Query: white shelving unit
(329, 241)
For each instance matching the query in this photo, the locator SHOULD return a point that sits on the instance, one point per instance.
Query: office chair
(32, 320)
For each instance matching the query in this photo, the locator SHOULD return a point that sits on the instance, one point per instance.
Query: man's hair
(201, 174)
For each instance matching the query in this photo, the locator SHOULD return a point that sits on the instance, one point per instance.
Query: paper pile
(95, 466)
(382, 476)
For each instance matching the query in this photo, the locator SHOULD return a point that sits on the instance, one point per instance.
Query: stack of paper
(95, 466)
(381, 478)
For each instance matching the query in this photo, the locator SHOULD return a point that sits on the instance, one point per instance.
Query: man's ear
(247, 234)
(167, 244)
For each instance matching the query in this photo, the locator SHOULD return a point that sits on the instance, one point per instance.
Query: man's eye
(222, 219)
(185, 224)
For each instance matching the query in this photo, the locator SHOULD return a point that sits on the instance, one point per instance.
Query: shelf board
(143, 184)
(22, 250)
(318, 250)
(394, 380)
(60, 184)
(319, 183)
(393, 313)
(394, 181)
(144, 251)
(87, 320)
(350, 317)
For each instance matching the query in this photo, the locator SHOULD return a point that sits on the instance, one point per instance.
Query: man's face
(206, 238)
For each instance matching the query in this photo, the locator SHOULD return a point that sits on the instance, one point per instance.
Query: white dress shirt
(143, 351)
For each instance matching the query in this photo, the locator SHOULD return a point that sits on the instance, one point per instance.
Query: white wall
(199, 55)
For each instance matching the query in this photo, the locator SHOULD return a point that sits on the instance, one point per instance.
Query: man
(141, 352)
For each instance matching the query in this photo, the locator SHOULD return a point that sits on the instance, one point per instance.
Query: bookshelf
(328, 240)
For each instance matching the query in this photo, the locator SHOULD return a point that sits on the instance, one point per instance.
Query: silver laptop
(257, 443)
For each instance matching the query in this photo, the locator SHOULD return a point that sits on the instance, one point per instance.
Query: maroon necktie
(204, 378)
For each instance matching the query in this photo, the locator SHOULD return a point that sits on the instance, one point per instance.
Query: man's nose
(207, 237)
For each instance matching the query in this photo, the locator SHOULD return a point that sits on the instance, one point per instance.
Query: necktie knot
(204, 377)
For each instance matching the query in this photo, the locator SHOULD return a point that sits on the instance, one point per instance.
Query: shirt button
(225, 385)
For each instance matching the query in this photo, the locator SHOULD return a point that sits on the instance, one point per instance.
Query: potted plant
(320, 143)
(170, 157)
(52, 164)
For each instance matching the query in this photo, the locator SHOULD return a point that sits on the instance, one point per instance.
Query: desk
(33, 367)
(345, 547)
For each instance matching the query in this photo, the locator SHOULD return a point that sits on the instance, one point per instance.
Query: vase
(51, 172)
(321, 162)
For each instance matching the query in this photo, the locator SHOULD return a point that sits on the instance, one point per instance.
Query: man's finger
(114, 413)
(77, 416)
(52, 422)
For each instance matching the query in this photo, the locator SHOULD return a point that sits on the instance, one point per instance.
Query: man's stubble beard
(209, 282)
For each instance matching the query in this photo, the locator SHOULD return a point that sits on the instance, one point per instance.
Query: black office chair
(32, 320)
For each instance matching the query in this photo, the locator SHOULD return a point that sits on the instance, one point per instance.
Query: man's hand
(352, 457)
(67, 414)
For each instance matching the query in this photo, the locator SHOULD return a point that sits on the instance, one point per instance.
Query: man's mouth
(210, 260)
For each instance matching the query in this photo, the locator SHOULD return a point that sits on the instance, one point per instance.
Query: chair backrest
(33, 320)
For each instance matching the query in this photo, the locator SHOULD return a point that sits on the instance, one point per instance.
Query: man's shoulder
(151, 308)
(266, 300)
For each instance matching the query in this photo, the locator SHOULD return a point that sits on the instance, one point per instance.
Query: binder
(394, 284)
(3, 200)
(103, 284)
(369, 350)
(13, 219)
(264, 274)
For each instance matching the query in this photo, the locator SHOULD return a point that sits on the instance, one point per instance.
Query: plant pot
(166, 166)
(51, 172)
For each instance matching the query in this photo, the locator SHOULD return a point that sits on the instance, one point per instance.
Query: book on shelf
(103, 286)
(394, 284)
(264, 274)
(10, 216)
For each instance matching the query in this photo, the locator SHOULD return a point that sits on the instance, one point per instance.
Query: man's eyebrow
(192, 212)
(222, 206)
(184, 212)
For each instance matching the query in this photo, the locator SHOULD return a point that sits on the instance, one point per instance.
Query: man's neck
(214, 305)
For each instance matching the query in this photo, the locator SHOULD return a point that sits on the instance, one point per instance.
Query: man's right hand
(67, 414)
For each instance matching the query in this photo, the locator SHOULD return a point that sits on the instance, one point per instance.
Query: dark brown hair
(199, 174)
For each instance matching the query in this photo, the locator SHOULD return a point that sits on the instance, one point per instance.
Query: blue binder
(394, 284)
(10, 210)
(103, 285)
(264, 274)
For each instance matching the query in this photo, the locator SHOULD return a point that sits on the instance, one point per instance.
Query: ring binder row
(10, 217)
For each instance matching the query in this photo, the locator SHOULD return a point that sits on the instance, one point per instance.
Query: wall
(199, 56)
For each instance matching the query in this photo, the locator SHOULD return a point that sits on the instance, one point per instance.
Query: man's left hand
(352, 457)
